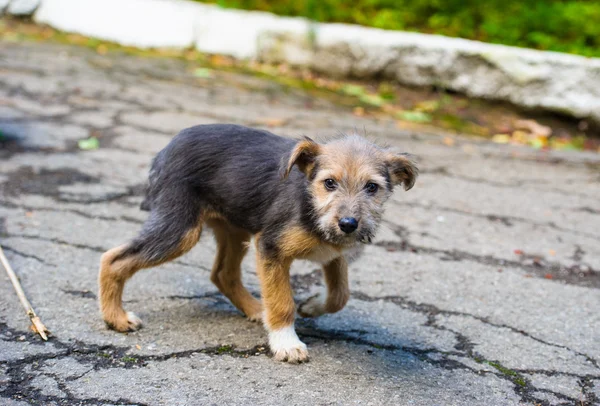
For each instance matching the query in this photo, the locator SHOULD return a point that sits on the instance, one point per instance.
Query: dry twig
(38, 327)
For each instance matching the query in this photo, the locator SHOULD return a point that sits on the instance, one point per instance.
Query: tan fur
(352, 163)
(338, 292)
(336, 278)
(277, 294)
(232, 245)
(113, 275)
(297, 243)
(402, 170)
(111, 281)
(303, 156)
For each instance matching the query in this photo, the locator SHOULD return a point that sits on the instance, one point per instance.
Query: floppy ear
(402, 170)
(303, 155)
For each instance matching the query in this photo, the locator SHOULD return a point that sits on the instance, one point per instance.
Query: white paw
(133, 321)
(286, 346)
(313, 307)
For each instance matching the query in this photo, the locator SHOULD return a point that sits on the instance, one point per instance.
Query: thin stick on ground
(38, 326)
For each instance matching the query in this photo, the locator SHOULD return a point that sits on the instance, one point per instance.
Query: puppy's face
(350, 180)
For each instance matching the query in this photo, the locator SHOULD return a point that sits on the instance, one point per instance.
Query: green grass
(512, 375)
(225, 349)
(557, 25)
(129, 359)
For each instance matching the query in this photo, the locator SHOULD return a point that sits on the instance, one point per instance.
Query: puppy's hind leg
(232, 245)
(172, 230)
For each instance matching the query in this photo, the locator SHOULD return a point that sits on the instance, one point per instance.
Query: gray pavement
(481, 289)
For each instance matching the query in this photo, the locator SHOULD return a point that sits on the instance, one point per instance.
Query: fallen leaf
(520, 137)
(102, 49)
(204, 73)
(353, 90)
(428, 106)
(533, 127)
(501, 138)
(552, 252)
(28, 214)
(539, 142)
(548, 276)
(372, 99)
(449, 141)
(220, 60)
(359, 111)
(518, 252)
(414, 116)
(139, 347)
(88, 144)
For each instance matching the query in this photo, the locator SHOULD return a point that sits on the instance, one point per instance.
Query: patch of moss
(514, 376)
(129, 359)
(225, 349)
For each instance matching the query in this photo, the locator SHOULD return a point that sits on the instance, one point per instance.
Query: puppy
(298, 199)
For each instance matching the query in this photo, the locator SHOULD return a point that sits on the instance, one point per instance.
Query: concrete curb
(528, 78)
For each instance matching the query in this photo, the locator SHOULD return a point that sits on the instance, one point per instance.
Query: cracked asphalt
(481, 288)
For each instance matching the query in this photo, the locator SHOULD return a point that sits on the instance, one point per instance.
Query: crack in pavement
(314, 278)
(24, 255)
(464, 348)
(443, 171)
(432, 311)
(575, 274)
(504, 219)
(81, 213)
(521, 386)
(111, 356)
(58, 241)
(588, 210)
(97, 356)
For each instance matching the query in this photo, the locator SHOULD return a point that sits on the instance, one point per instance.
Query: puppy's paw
(286, 346)
(258, 316)
(126, 322)
(314, 306)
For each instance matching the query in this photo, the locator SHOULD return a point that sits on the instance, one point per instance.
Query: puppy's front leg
(280, 310)
(338, 293)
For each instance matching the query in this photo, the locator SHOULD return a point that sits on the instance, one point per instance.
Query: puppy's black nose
(348, 224)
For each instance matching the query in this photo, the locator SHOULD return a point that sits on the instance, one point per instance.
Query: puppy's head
(349, 181)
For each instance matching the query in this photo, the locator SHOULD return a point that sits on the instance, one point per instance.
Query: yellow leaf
(520, 137)
(501, 138)
(102, 49)
(448, 141)
(359, 111)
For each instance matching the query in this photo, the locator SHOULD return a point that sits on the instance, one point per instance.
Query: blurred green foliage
(571, 26)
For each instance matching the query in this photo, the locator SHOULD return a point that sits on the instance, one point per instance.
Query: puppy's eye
(371, 188)
(330, 184)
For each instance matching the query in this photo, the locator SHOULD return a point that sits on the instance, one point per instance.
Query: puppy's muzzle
(348, 224)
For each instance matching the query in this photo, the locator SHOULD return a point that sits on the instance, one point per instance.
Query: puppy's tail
(155, 170)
